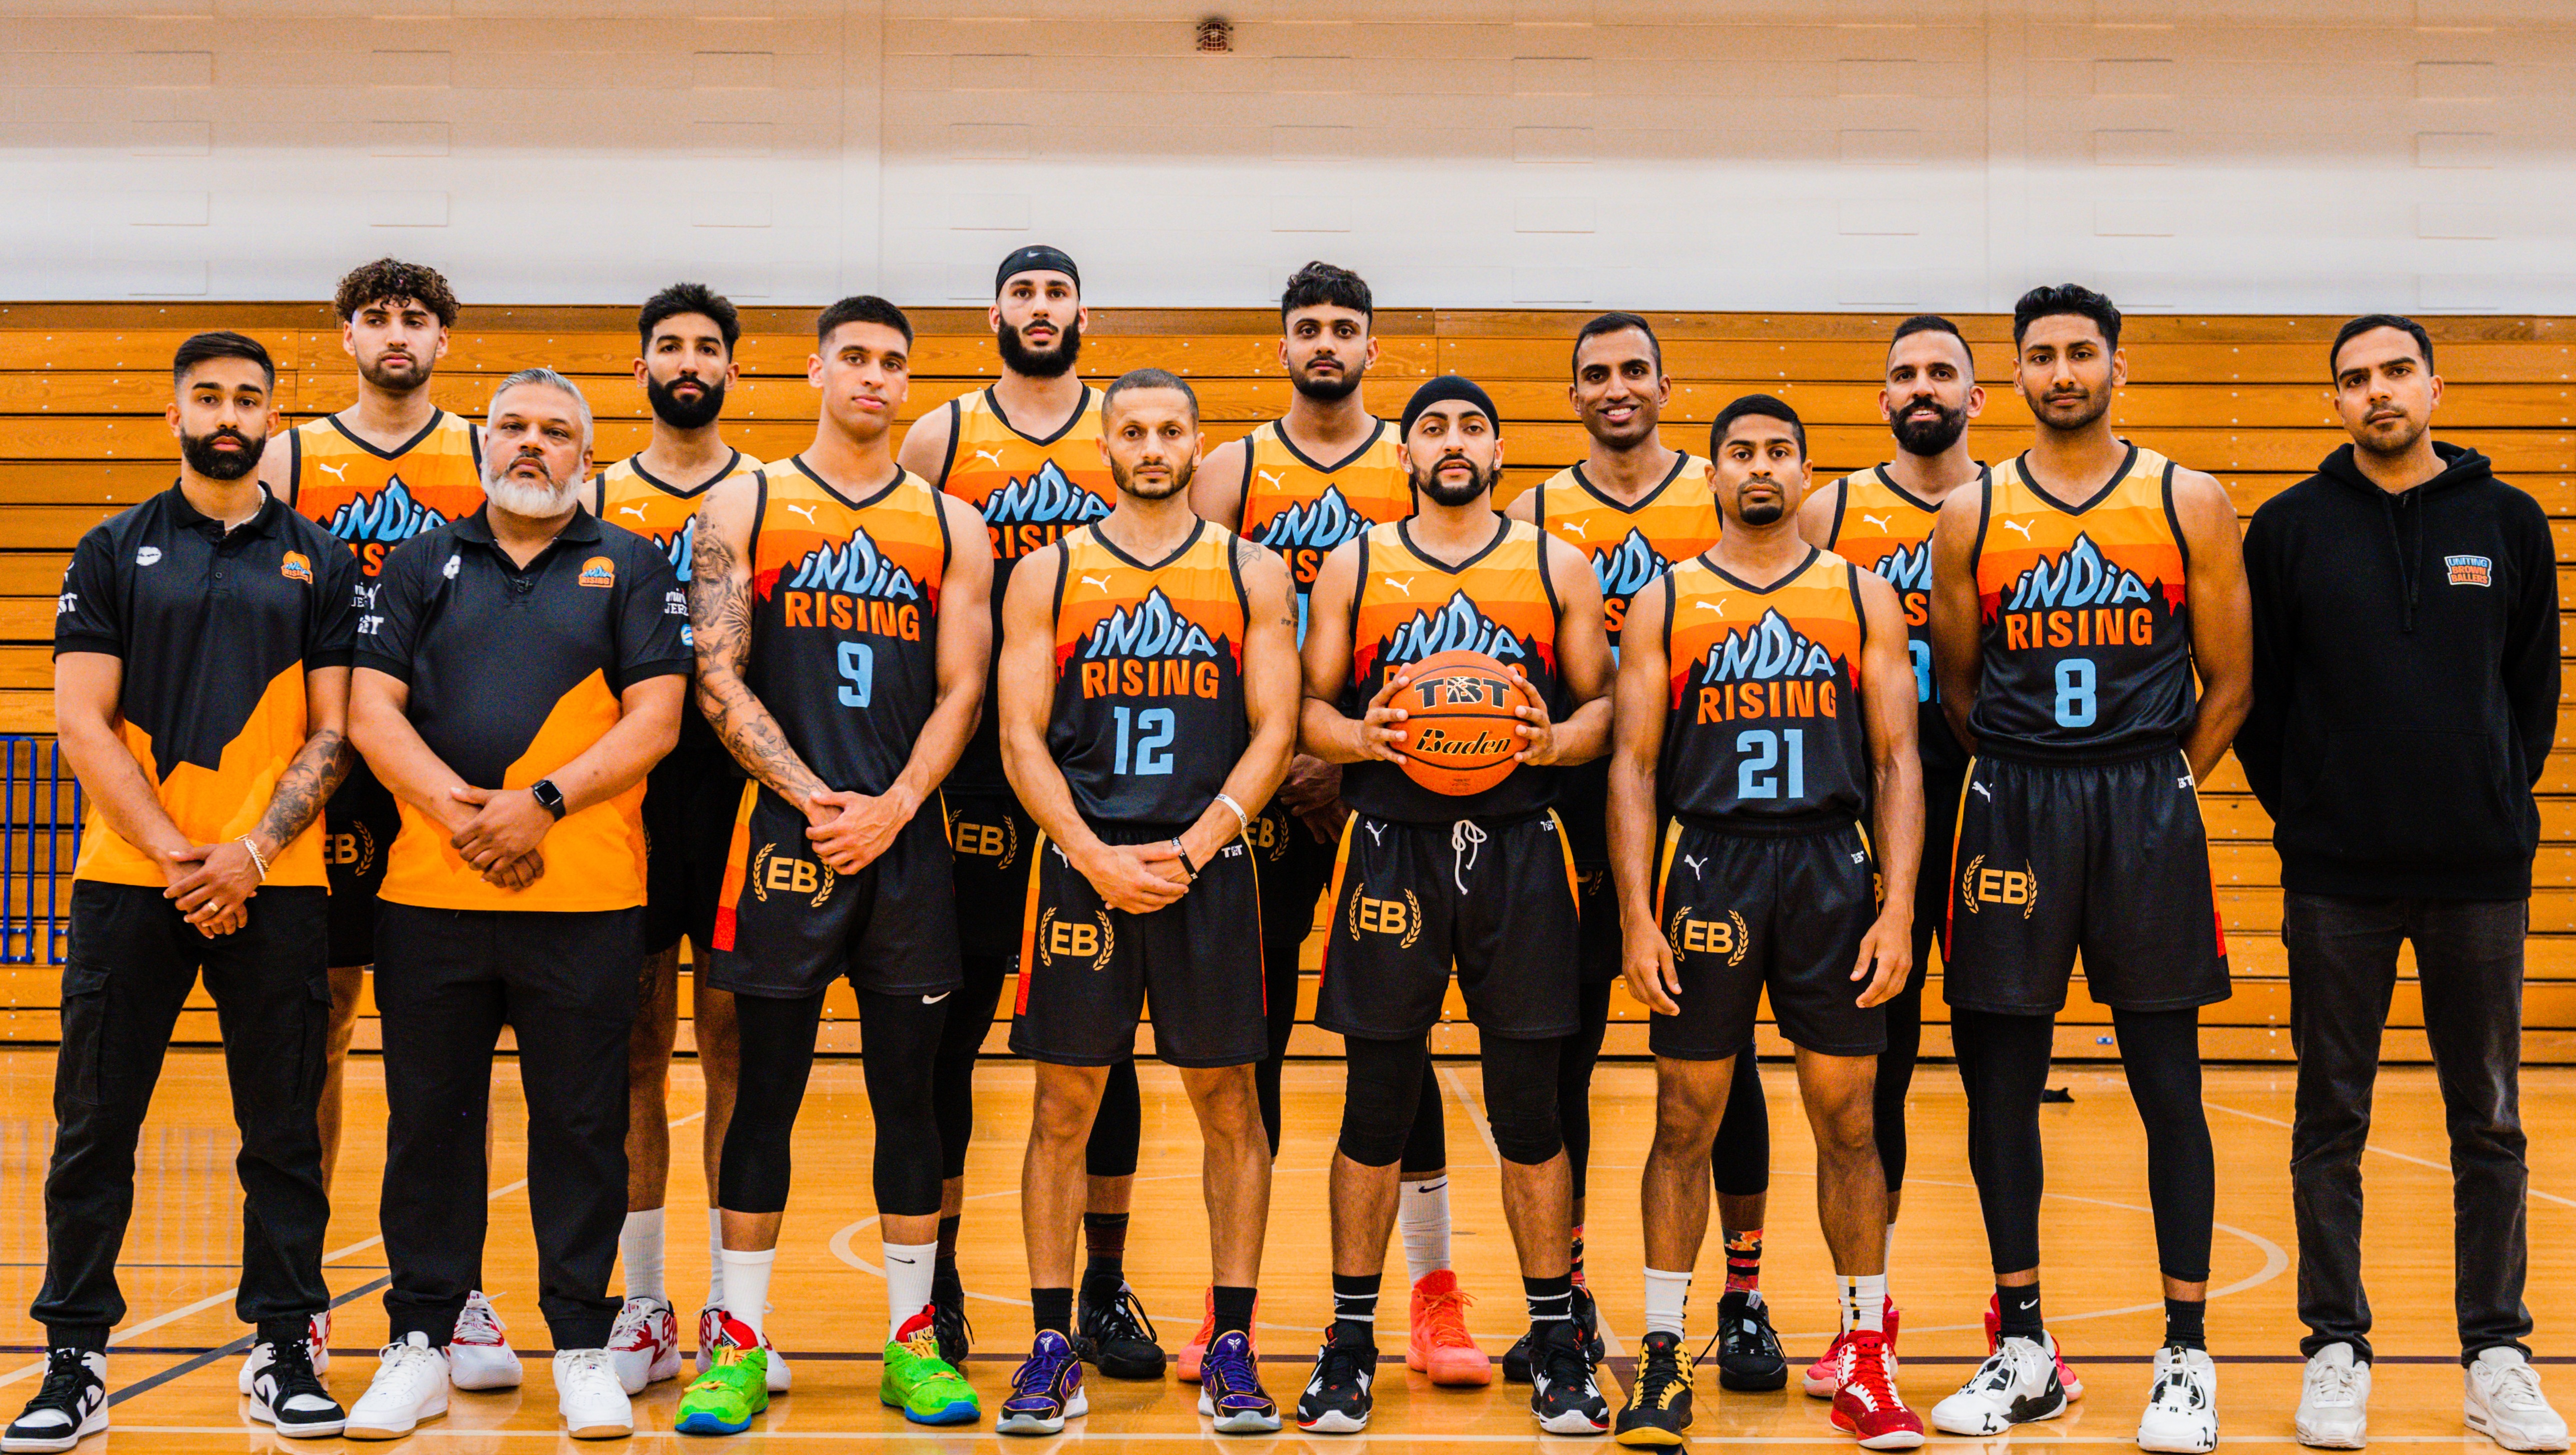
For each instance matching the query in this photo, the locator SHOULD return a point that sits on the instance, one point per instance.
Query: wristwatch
(548, 796)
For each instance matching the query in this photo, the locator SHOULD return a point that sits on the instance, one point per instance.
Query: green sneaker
(927, 1388)
(734, 1388)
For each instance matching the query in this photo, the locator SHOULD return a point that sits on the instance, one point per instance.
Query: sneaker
(2334, 1400)
(1659, 1403)
(2016, 1385)
(1866, 1404)
(1563, 1393)
(588, 1395)
(289, 1396)
(479, 1354)
(1749, 1357)
(2182, 1405)
(1822, 1377)
(2504, 1402)
(710, 1337)
(1439, 1344)
(1336, 1399)
(2066, 1379)
(927, 1388)
(645, 1344)
(956, 1335)
(71, 1403)
(1046, 1392)
(410, 1386)
(1230, 1390)
(1587, 1317)
(317, 1345)
(1186, 1366)
(734, 1388)
(1115, 1335)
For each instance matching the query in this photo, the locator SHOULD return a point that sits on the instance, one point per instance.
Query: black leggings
(1582, 1051)
(1389, 1079)
(2003, 1062)
(897, 1037)
(1115, 1132)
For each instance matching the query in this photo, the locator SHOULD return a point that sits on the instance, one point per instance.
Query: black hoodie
(2405, 680)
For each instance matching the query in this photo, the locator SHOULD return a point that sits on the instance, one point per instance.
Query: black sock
(2187, 1322)
(943, 1273)
(2019, 1308)
(1551, 1301)
(1234, 1309)
(1104, 1245)
(1355, 1309)
(1052, 1308)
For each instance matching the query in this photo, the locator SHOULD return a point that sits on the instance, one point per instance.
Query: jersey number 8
(2075, 692)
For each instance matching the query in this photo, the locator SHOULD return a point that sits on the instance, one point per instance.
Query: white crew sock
(909, 1269)
(746, 1281)
(1887, 1258)
(639, 1248)
(1864, 1303)
(1423, 1215)
(1667, 1294)
(715, 1258)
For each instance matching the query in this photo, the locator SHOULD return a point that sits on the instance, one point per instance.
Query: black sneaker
(1659, 1406)
(1336, 1399)
(1117, 1337)
(71, 1403)
(1587, 1317)
(1748, 1352)
(1563, 1394)
(956, 1336)
(1516, 1361)
(287, 1393)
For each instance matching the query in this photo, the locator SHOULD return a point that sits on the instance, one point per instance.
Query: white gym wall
(2263, 156)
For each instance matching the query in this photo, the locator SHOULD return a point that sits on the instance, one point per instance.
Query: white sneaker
(2016, 1385)
(645, 1344)
(479, 1354)
(410, 1386)
(2505, 1403)
(71, 1404)
(593, 1403)
(2334, 1400)
(710, 1323)
(2182, 1405)
(318, 1345)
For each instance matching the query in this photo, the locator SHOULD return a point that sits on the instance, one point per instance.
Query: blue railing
(40, 825)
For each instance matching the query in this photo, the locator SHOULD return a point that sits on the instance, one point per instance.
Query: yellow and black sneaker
(1659, 1406)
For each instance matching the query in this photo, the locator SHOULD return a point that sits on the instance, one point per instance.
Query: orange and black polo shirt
(514, 673)
(217, 630)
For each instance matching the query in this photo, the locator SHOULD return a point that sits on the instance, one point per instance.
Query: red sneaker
(1822, 1378)
(2066, 1379)
(1441, 1346)
(1866, 1404)
(1196, 1349)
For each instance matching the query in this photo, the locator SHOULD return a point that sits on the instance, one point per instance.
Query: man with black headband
(1025, 452)
(1481, 879)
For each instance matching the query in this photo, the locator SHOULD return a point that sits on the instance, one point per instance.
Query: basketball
(1459, 722)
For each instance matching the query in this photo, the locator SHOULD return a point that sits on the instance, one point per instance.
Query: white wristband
(1242, 820)
(253, 850)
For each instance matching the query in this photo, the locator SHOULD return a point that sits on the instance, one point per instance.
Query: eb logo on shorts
(1073, 939)
(1400, 918)
(772, 870)
(356, 848)
(997, 841)
(1980, 886)
(1726, 936)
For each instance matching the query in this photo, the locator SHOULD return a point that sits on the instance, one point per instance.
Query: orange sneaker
(1196, 1349)
(1441, 1346)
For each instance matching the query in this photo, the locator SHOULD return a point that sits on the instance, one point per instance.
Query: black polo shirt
(514, 673)
(217, 630)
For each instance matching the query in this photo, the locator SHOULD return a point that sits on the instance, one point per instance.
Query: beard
(202, 456)
(414, 372)
(1479, 481)
(1161, 490)
(2094, 407)
(2389, 447)
(1765, 513)
(1055, 363)
(522, 497)
(1328, 391)
(1926, 438)
(669, 409)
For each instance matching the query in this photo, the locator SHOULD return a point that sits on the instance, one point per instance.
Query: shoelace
(2517, 1387)
(1449, 1334)
(477, 1323)
(1338, 1368)
(1037, 1377)
(65, 1372)
(1566, 1368)
(2338, 1384)
(1657, 1374)
(1999, 1371)
(291, 1365)
(949, 1321)
(591, 1364)
(1464, 836)
(1124, 1319)
(1228, 1372)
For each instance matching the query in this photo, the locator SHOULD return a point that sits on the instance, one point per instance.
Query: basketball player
(1270, 487)
(379, 472)
(1741, 748)
(207, 741)
(688, 334)
(1484, 879)
(2076, 594)
(1149, 693)
(1632, 507)
(838, 605)
(1025, 452)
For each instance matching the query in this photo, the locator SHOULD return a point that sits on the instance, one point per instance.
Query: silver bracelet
(1242, 820)
(253, 850)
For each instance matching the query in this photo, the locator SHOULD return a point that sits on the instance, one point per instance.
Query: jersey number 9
(858, 673)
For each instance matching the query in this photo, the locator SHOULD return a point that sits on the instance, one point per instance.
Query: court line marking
(2528, 1190)
(955, 1436)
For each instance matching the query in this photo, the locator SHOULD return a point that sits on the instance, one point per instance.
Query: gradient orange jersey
(1765, 720)
(2086, 613)
(1630, 545)
(377, 499)
(627, 494)
(1303, 509)
(1883, 529)
(1149, 715)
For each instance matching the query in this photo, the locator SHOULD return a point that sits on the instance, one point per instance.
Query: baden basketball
(1459, 726)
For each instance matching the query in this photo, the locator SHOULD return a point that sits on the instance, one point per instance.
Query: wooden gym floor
(173, 1367)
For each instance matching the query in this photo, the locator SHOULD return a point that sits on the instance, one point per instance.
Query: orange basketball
(1459, 725)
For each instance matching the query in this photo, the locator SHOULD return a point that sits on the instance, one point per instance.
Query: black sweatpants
(447, 981)
(133, 960)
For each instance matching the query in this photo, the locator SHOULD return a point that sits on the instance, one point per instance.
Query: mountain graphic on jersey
(1152, 628)
(391, 515)
(855, 567)
(2080, 577)
(1319, 524)
(1457, 626)
(1769, 650)
(679, 547)
(1907, 568)
(1624, 569)
(1045, 498)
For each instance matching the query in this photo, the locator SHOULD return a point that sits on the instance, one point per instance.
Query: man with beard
(688, 334)
(1272, 488)
(201, 677)
(1631, 507)
(1148, 707)
(519, 673)
(2076, 594)
(2405, 693)
(1025, 452)
(1483, 879)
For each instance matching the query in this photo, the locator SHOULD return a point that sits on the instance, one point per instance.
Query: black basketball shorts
(788, 925)
(358, 826)
(993, 842)
(689, 809)
(1783, 911)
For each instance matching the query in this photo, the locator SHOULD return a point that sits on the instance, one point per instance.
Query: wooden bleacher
(82, 388)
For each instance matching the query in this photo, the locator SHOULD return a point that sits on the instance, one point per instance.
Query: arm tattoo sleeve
(307, 784)
(720, 618)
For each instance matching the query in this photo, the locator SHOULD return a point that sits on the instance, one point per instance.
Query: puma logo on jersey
(1572, 527)
(1270, 477)
(806, 511)
(1878, 521)
(1377, 832)
(1100, 581)
(991, 457)
(636, 511)
(2016, 525)
(1400, 584)
(1717, 606)
(1696, 863)
(1979, 789)
(336, 472)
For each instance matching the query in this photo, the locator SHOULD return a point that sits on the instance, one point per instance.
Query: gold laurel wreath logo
(760, 872)
(1412, 907)
(1968, 884)
(366, 848)
(1743, 940)
(1108, 940)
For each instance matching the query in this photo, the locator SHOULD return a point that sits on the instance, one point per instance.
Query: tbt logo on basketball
(1460, 728)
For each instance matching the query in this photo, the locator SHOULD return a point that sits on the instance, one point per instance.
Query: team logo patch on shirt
(147, 555)
(296, 567)
(2470, 570)
(599, 571)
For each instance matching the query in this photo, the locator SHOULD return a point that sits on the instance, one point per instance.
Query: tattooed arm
(720, 621)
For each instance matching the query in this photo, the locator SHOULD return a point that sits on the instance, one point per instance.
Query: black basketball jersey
(1765, 723)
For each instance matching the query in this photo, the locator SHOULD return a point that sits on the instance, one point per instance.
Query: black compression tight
(1386, 1090)
(1581, 1052)
(1115, 1132)
(2003, 1062)
(1739, 1161)
(897, 1037)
